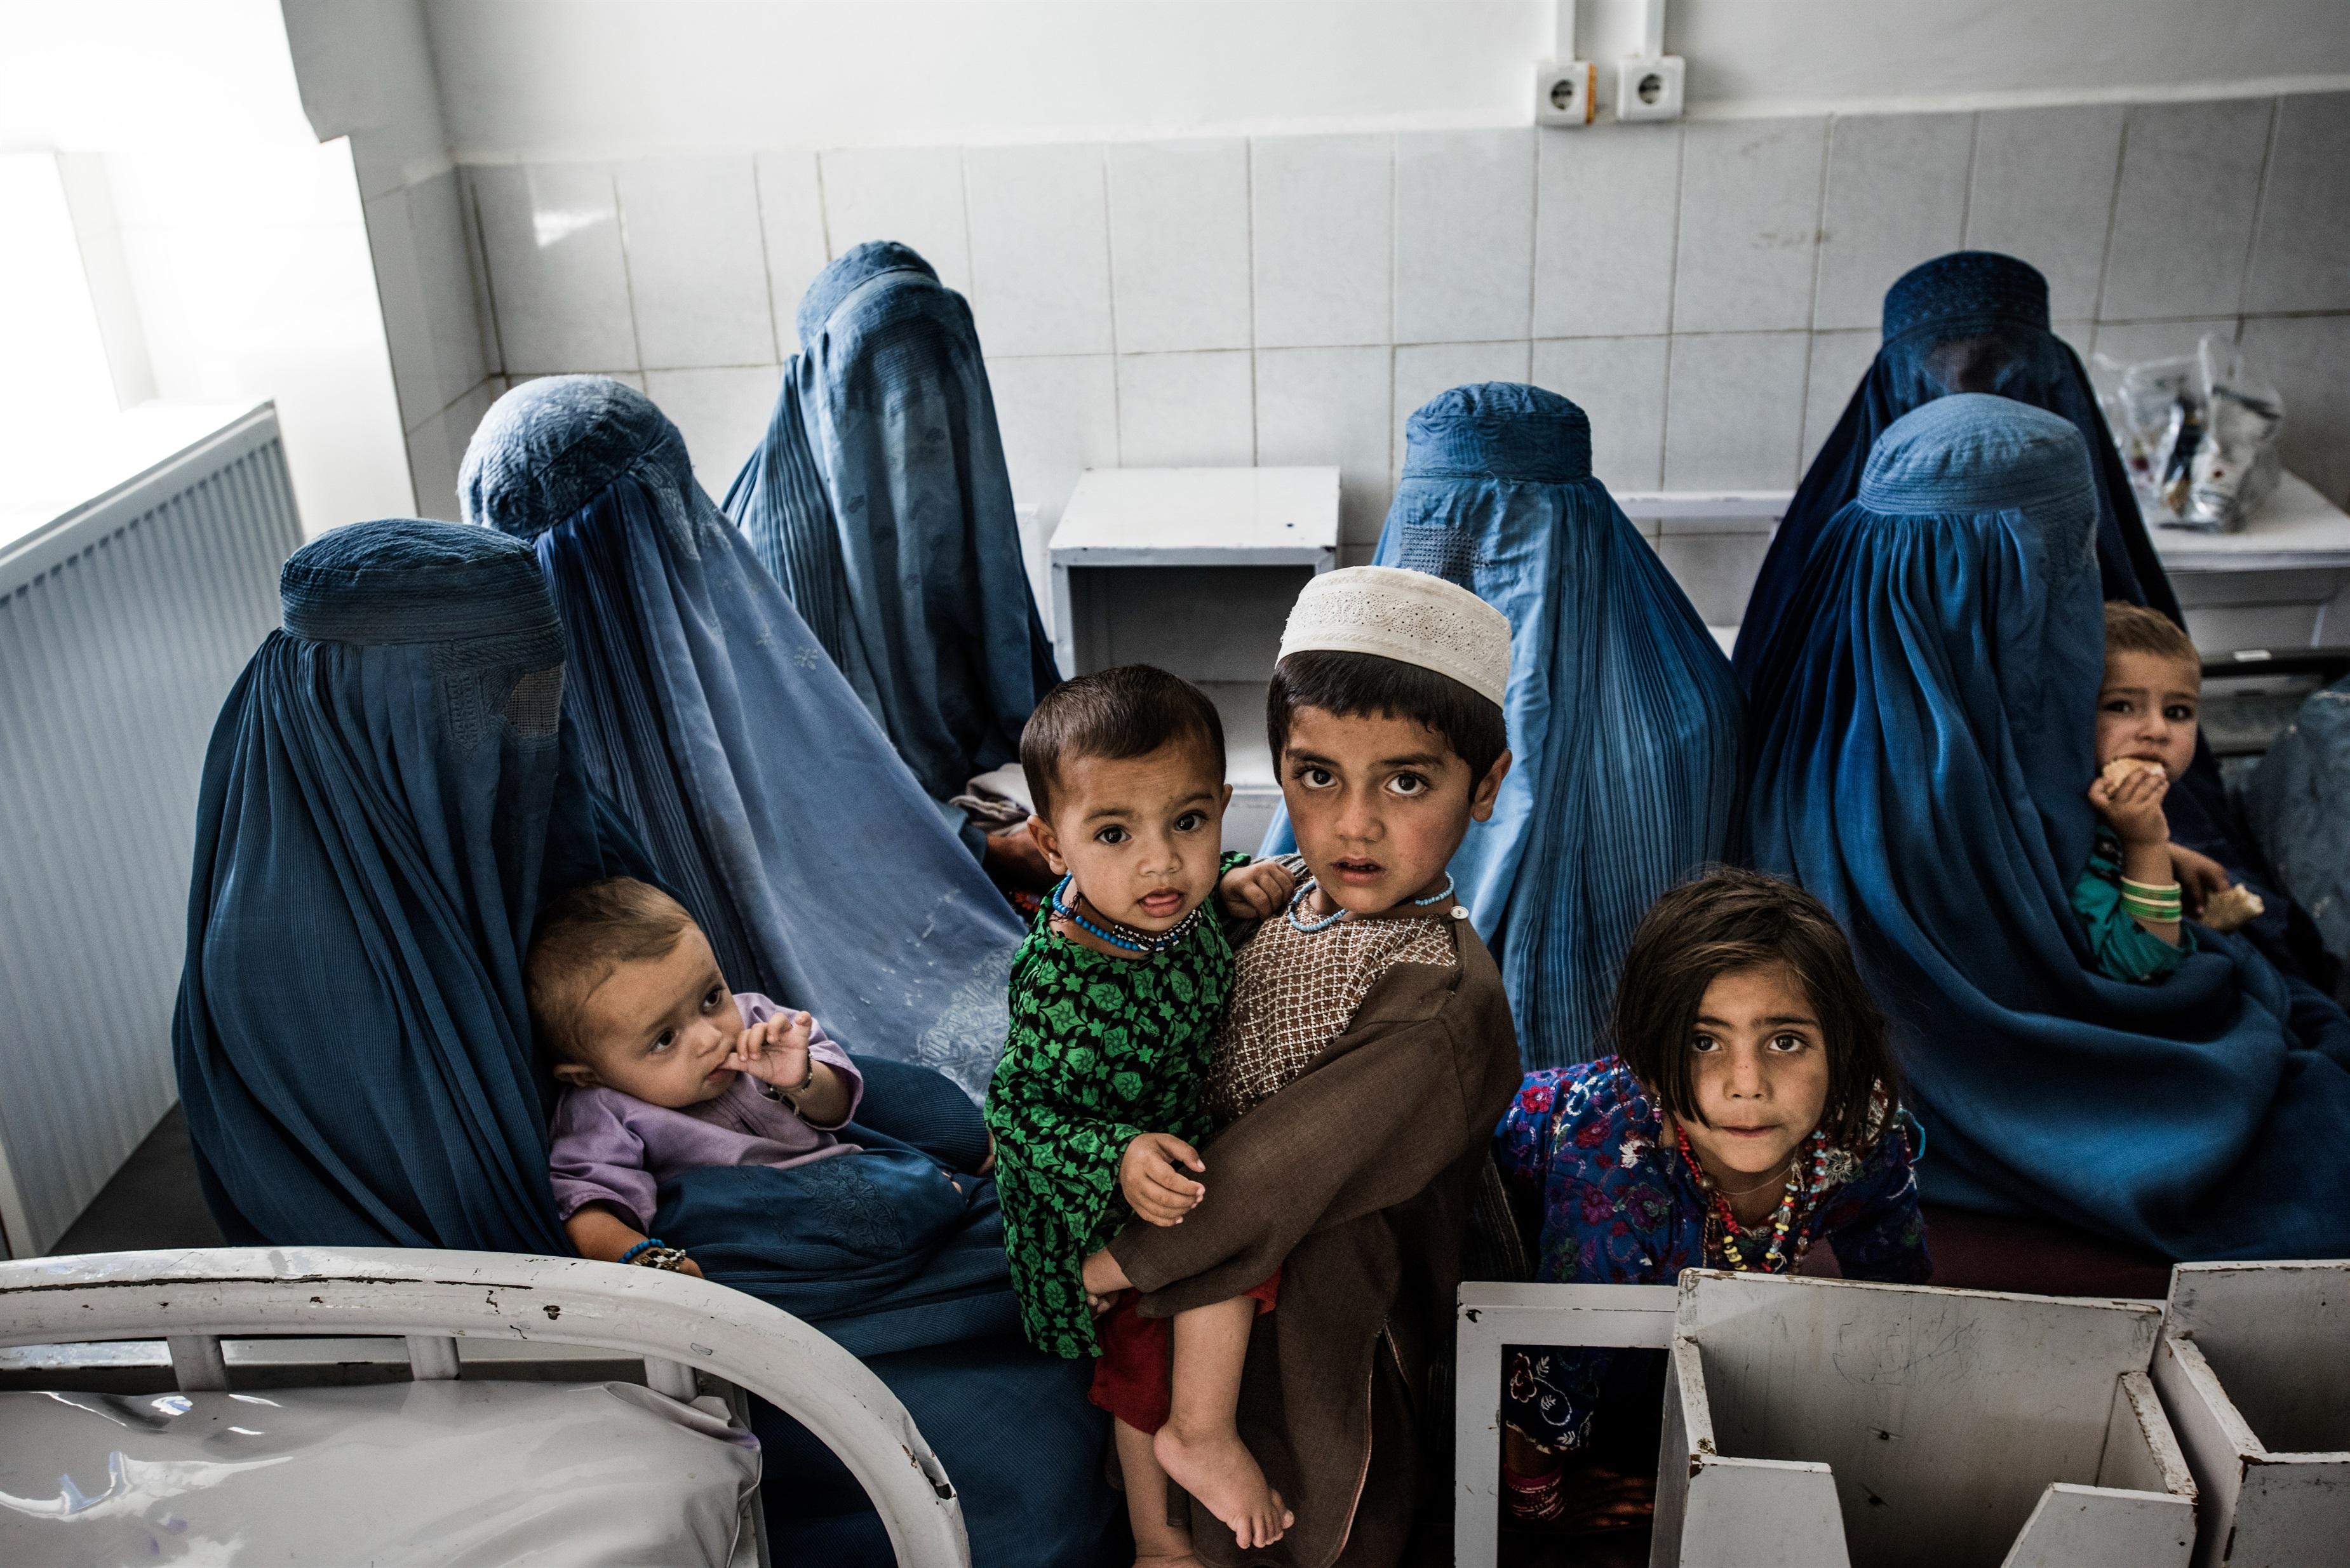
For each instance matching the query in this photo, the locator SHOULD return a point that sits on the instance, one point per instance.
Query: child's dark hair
(1353, 684)
(1128, 712)
(2134, 628)
(1726, 920)
(582, 936)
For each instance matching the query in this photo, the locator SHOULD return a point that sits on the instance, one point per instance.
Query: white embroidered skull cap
(1409, 616)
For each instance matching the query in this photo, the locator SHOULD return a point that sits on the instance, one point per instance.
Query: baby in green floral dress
(1097, 1105)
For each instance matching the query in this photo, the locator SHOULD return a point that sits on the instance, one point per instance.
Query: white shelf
(2296, 530)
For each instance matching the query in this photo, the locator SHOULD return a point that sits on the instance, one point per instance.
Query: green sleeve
(2123, 948)
(1057, 1170)
(1237, 928)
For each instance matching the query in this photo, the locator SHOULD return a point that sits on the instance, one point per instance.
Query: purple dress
(611, 1148)
(1580, 1144)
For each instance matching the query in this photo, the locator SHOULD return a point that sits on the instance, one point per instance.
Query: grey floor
(152, 1201)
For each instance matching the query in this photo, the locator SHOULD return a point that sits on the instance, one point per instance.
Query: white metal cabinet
(1825, 1423)
(2254, 1370)
(1193, 570)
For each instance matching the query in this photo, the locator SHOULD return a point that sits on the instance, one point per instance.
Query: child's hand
(1103, 1280)
(2135, 806)
(2201, 878)
(776, 1052)
(1146, 1174)
(1257, 891)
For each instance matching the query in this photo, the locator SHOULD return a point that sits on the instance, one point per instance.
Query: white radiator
(123, 622)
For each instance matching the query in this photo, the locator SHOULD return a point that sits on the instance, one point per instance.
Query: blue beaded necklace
(1308, 928)
(1125, 938)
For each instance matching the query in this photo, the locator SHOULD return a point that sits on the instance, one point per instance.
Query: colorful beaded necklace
(1805, 1182)
(1125, 937)
(1308, 928)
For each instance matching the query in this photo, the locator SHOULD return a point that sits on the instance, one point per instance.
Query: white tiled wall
(1709, 291)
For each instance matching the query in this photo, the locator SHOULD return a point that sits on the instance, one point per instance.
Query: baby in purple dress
(665, 1069)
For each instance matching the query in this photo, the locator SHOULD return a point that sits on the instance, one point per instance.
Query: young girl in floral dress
(1750, 1115)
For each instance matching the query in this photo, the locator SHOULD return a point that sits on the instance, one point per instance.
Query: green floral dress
(1101, 1051)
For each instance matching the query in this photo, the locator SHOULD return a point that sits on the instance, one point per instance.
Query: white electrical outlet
(1564, 92)
(1649, 88)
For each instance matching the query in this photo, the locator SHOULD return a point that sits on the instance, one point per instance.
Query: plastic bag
(2198, 434)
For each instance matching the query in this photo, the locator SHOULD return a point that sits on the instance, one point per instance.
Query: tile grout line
(2259, 212)
(489, 279)
(823, 226)
(1819, 271)
(1967, 184)
(1672, 294)
(628, 275)
(2113, 221)
(1110, 268)
(766, 262)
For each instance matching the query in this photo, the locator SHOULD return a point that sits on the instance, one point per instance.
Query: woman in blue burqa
(880, 502)
(1977, 321)
(1923, 744)
(1623, 714)
(777, 811)
(391, 795)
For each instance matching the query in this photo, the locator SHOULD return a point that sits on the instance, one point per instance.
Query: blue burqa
(1972, 321)
(2298, 800)
(880, 502)
(1977, 321)
(769, 800)
(387, 799)
(1623, 714)
(1922, 754)
(774, 807)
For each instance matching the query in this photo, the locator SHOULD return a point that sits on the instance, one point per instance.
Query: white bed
(299, 1405)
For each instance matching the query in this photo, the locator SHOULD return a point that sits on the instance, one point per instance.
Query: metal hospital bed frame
(296, 1315)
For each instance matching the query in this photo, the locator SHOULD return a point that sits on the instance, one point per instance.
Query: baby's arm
(599, 1233)
(2134, 807)
(596, 1164)
(776, 1054)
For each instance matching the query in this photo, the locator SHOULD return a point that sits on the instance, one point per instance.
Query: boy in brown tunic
(1365, 1057)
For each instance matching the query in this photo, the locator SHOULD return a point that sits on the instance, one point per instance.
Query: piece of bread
(2121, 768)
(2232, 908)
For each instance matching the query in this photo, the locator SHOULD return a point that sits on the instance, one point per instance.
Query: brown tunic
(1353, 1179)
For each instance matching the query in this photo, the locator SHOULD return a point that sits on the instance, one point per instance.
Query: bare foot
(1217, 1468)
(1161, 1559)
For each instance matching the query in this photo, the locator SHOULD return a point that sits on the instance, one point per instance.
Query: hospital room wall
(1708, 289)
(1275, 261)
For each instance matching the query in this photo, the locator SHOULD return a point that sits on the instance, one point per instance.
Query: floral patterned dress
(1581, 1144)
(1101, 1050)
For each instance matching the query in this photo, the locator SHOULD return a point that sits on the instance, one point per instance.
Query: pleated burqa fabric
(2298, 802)
(771, 802)
(880, 502)
(386, 801)
(1977, 321)
(1923, 755)
(1971, 321)
(1623, 718)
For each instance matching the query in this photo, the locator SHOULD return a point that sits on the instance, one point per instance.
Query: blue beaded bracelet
(630, 1255)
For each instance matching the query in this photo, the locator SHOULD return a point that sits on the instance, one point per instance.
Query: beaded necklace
(1308, 928)
(1721, 1221)
(1124, 936)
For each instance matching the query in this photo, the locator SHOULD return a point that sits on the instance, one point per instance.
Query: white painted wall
(549, 79)
(222, 233)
